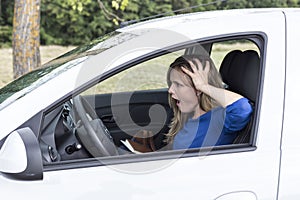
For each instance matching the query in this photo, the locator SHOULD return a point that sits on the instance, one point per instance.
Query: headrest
(240, 71)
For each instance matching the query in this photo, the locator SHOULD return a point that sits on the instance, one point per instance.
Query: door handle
(237, 195)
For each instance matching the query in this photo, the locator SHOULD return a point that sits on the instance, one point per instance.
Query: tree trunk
(26, 36)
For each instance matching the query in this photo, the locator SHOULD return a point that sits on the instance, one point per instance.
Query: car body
(44, 151)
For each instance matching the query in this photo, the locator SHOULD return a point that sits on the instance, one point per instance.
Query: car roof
(169, 21)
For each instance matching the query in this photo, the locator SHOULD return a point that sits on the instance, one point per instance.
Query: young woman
(205, 114)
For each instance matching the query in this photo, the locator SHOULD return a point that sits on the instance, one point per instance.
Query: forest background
(64, 25)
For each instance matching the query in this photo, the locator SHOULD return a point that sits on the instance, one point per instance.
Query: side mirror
(20, 156)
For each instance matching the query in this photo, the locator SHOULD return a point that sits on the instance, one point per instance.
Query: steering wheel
(92, 133)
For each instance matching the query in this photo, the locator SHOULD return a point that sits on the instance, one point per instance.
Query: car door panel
(233, 170)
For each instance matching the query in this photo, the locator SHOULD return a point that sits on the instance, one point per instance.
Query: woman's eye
(181, 85)
(177, 84)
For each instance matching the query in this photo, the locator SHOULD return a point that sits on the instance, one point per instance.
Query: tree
(26, 36)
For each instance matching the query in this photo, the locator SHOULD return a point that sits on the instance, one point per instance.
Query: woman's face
(183, 93)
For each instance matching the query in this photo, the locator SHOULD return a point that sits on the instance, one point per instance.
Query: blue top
(218, 126)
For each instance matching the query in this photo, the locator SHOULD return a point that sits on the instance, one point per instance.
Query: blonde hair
(206, 103)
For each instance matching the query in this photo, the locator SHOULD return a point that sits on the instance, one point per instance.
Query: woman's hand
(198, 74)
(199, 77)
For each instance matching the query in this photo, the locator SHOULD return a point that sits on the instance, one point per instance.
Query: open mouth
(177, 101)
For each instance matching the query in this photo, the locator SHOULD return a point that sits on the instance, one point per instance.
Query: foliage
(6, 12)
(76, 22)
(6, 18)
(64, 23)
(5, 36)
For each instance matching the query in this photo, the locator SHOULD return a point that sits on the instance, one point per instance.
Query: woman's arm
(222, 96)
(200, 79)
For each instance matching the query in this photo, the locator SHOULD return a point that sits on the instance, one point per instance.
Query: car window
(148, 75)
(131, 107)
(221, 49)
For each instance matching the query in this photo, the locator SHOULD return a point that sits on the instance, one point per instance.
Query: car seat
(240, 74)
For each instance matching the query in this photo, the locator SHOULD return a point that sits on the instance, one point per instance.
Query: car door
(240, 171)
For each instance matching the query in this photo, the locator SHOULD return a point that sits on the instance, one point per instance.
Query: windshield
(25, 84)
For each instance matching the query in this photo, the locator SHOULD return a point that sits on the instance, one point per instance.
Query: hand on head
(198, 75)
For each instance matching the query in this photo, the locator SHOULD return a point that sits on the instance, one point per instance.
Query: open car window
(148, 75)
(103, 120)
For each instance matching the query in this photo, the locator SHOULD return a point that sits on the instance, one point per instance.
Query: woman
(205, 114)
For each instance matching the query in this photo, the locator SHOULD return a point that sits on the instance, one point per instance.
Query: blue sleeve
(238, 114)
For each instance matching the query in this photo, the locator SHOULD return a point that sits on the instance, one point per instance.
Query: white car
(63, 126)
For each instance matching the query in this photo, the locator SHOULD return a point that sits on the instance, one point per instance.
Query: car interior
(96, 124)
(240, 72)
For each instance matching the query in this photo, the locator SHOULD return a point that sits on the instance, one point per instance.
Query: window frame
(259, 38)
